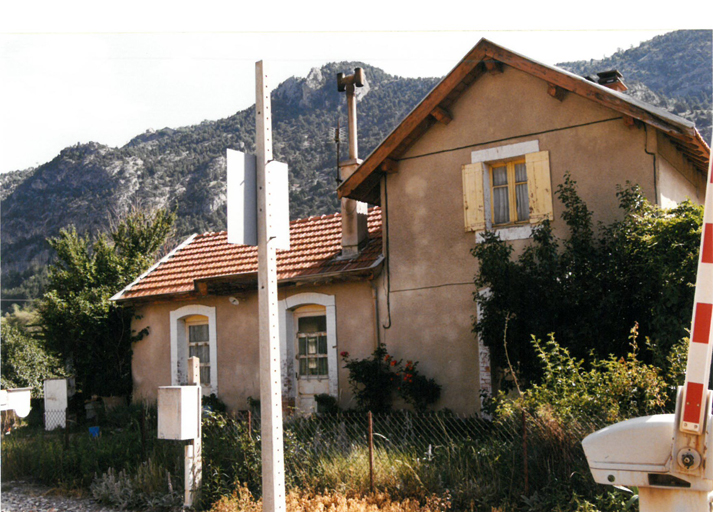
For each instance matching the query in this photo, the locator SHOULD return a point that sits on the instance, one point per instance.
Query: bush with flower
(376, 379)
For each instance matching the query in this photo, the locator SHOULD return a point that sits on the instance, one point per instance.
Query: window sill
(509, 233)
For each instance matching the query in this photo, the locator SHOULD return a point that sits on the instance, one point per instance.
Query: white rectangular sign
(242, 201)
(278, 208)
(242, 198)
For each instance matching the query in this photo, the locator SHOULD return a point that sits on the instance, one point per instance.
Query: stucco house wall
(430, 263)
(237, 340)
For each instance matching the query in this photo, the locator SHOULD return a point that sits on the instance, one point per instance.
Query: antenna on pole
(337, 140)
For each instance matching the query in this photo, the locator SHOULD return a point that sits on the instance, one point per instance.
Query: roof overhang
(246, 282)
(364, 183)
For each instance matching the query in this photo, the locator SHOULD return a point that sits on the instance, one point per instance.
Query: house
(485, 149)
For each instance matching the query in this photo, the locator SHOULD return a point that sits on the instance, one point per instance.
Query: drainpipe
(375, 299)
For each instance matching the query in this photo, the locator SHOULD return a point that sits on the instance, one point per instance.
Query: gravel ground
(28, 497)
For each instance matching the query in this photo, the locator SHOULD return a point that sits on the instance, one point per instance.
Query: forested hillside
(90, 185)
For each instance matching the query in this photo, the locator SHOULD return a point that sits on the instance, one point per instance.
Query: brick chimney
(354, 213)
(612, 79)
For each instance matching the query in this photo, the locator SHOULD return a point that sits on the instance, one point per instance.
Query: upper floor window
(510, 201)
(507, 193)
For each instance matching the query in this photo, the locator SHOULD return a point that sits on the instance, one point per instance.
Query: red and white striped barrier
(701, 348)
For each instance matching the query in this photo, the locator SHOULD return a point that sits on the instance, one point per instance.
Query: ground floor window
(312, 343)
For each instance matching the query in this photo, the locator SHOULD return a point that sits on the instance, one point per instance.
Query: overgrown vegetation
(422, 461)
(591, 288)
(79, 322)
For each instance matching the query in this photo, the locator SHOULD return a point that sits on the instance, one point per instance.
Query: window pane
(520, 173)
(303, 346)
(523, 202)
(205, 375)
(322, 345)
(198, 333)
(312, 324)
(322, 365)
(501, 206)
(202, 352)
(500, 176)
(303, 366)
(311, 346)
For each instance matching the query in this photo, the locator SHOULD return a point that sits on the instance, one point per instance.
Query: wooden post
(273, 473)
(193, 463)
(371, 451)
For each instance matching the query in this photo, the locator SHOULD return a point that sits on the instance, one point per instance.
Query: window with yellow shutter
(508, 189)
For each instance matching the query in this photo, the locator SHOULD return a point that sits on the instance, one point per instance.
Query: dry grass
(242, 501)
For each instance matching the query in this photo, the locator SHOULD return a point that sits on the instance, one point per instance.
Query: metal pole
(273, 473)
(371, 451)
(524, 452)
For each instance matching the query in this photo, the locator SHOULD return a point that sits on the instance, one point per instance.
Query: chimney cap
(612, 79)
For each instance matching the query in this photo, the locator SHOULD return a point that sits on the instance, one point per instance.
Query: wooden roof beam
(442, 115)
(389, 166)
(556, 91)
(494, 66)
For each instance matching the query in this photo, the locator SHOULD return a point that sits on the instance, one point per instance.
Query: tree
(92, 333)
(26, 363)
(591, 288)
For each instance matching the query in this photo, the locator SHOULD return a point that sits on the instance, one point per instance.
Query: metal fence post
(524, 451)
(371, 451)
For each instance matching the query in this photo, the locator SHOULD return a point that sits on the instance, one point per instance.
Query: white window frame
(179, 344)
(501, 154)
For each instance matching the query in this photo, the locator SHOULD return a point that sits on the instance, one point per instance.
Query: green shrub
(591, 287)
(374, 381)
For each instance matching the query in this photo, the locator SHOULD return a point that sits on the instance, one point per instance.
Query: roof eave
(674, 126)
(250, 280)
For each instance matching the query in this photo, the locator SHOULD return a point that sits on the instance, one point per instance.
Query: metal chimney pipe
(348, 84)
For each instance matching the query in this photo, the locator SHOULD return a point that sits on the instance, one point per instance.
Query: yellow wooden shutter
(539, 186)
(473, 199)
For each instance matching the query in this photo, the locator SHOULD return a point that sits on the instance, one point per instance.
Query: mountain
(673, 71)
(90, 185)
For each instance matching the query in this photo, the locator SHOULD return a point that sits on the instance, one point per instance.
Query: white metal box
(178, 412)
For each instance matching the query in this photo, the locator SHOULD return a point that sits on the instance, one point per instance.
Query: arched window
(193, 334)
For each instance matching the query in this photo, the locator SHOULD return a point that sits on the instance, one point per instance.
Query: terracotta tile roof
(315, 245)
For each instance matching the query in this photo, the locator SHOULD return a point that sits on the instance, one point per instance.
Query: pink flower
(344, 354)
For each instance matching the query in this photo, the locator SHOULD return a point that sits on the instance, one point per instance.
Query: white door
(312, 366)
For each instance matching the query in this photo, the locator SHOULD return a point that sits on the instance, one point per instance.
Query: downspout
(646, 150)
(375, 299)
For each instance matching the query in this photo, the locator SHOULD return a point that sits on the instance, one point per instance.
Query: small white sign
(242, 201)
(242, 198)
(279, 205)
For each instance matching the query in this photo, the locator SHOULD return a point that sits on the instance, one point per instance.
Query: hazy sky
(76, 71)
